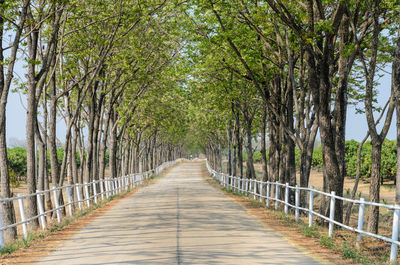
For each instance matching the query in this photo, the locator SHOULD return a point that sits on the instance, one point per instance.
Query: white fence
(257, 187)
(108, 187)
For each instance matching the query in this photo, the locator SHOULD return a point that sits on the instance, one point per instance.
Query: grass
(327, 241)
(309, 231)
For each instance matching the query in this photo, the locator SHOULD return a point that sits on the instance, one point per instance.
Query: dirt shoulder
(43, 247)
(270, 220)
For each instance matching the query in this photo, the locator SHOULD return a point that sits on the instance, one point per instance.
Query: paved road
(179, 220)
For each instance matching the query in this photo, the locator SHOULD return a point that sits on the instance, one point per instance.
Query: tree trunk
(229, 133)
(263, 143)
(91, 120)
(373, 213)
(113, 146)
(103, 148)
(74, 143)
(42, 162)
(30, 152)
(250, 172)
(396, 88)
(7, 208)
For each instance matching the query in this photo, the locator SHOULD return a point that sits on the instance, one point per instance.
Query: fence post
(247, 186)
(261, 190)
(242, 182)
(102, 188)
(23, 217)
(268, 192)
(94, 192)
(395, 235)
(360, 221)
(276, 195)
(332, 214)
(41, 210)
(311, 207)
(107, 187)
(297, 203)
(87, 194)
(67, 189)
(286, 198)
(237, 184)
(2, 244)
(255, 189)
(58, 212)
(78, 195)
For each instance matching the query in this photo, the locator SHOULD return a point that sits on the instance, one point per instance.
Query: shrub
(317, 161)
(388, 162)
(389, 157)
(257, 156)
(17, 161)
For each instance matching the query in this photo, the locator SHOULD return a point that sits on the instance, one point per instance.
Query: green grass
(309, 231)
(257, 204)
(327, 241)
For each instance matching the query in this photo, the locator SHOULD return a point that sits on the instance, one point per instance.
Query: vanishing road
(178, 220)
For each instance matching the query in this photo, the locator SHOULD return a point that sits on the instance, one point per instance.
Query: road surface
(179, 220)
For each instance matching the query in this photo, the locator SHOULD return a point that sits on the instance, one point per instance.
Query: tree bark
(263, 143)
(113, 146)
(396, 88)
(229, 134)
(250, 172)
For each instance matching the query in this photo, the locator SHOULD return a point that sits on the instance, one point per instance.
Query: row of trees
(287, 70)
(149, 81)
(104, 67)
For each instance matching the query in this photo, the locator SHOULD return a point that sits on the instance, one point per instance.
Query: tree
(13, 20)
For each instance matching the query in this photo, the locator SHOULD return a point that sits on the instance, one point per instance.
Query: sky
(356, 125)
(16, 113)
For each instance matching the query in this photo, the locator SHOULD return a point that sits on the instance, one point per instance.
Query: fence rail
(108, 187)
(256, 188)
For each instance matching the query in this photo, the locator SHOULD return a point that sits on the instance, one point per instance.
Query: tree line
(284, 72)
(108, 69)
(149, 81)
